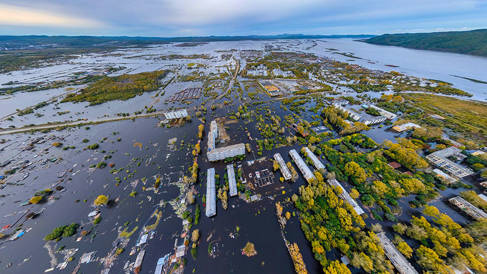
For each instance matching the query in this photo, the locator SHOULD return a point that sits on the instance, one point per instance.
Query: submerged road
(78, 123)
(234, 77)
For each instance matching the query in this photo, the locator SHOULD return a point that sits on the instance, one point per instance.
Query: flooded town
(249, 156)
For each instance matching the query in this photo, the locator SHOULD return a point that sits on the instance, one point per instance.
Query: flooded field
(123, 170)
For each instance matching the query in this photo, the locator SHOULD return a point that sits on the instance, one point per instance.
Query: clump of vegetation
(97, 220)
(249, 250)
(297, 258)
(101, 200)
(93, 146)
(62, 231)
(119, 251)
(337, 120)
(195, 235)
(101, 165)
(126, 234)
(36, 199)
(40, 195)
(121, 87)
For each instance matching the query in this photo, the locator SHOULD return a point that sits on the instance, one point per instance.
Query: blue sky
(237, 17)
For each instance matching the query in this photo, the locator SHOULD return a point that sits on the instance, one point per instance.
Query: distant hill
(42, 41)
(467, 42)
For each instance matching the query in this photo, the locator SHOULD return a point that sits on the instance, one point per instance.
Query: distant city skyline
(170, 18)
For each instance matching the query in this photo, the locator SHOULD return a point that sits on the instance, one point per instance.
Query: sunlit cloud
(237, 17)
(19, 16)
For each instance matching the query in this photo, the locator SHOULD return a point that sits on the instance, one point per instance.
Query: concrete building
(483, 197)
(212, 135)
(445, 177)
(468, 208)
(345, 196)
(307, 174)
(316, 162)
(373, 120)
(222, 153)
(232, 183)
(182, 113)
(216, 154)
(440, 159)
(260, 70)
(210, 193)
(385, 113)
(286, 173)
(361, 117)
(397, 259)
(404, 127)
(352, 114)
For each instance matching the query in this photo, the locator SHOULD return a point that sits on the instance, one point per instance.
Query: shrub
(101, 200)
(35, 199)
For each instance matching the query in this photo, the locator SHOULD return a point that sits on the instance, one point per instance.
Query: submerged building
(182, 113)
(468, 208)
(345, 196)
(210, 193)
(221, 153)
(397, 259)
(286, 173)
(385, 113)
(232, 183)
(440, 159)
(352, 114)
(316, 162)
(404, 127)
(307, 174)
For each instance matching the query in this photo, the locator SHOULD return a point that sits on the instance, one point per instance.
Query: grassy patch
(467, 118)
(121, 87)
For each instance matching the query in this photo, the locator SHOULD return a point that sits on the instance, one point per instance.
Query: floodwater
(420, 63)
(256, 221)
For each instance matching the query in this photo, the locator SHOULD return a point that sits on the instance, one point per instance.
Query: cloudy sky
(237, 17)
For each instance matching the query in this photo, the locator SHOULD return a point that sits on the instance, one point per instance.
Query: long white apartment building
(286, 173)
(221, 153)
(210, 193)
(232, 183)
(345, 196)
(316, 162)
(307, 174)
(402, 265)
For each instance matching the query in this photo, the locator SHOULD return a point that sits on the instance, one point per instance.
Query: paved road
(234, 77)
(77, 123)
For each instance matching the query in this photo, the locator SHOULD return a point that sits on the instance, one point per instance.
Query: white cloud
(220, 17)
(194, 12)
(19, 16)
